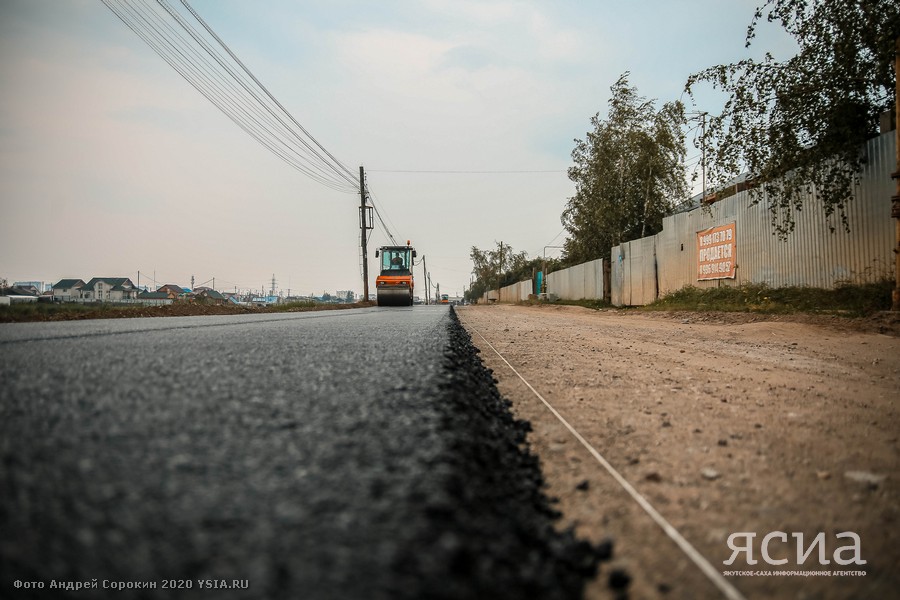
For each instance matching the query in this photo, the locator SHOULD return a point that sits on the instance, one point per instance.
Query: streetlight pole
(544, 267)
(895, 200)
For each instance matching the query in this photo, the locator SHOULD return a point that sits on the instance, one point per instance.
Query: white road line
(714, 575)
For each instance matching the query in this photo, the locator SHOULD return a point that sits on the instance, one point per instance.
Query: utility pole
(703, 154)
(499, 271)
(365, 217)
(702, 116)
(425, 278)
(895, 200)
(544, 275)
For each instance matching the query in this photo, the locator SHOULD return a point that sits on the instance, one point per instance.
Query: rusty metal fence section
(581, 282)
(633, 273)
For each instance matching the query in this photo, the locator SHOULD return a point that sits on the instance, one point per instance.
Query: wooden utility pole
(500, 271)
(895, 200)
(425, 279)
(362, 232)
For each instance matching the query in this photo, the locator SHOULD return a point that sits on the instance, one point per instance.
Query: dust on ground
(725, 423)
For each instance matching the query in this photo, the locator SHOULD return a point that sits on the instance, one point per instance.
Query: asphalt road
(340, 454)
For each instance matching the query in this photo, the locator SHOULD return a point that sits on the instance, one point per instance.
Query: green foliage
(586, 303)
(797, 126)
(628, 173)
(297, 305)
(853, 299)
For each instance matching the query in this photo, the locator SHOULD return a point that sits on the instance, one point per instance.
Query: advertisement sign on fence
(716, 252)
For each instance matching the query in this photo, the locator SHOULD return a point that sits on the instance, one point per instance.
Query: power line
(384, 227)
(335, 164)
(463, 172)
(242, 100)
(146, 27)
(199, 79)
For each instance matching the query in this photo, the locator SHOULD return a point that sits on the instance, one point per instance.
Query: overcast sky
(111, 163)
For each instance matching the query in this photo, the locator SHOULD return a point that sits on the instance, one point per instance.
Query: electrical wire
(384, 226)
(243, 101)
(334, 163)
(146, 27)
(155, 38)
(461, 172)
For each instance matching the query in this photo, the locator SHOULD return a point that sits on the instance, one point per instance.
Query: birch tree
(798, 125)
(628, 174)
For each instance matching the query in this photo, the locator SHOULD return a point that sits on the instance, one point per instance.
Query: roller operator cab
(394, 286)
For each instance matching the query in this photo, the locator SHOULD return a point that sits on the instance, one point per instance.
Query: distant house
(210, 296)
(38, 286)
(15, 294)
(18, 292)
(109, 289)
(156, 298)
(67, 290)
(179, 291)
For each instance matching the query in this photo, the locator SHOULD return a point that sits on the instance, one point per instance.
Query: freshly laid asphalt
(340, 454)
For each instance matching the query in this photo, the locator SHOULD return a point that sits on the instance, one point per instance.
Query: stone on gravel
(871, 480)
(710, 474)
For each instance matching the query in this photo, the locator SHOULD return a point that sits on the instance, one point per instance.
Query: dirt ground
(69, 312)
(725, 423)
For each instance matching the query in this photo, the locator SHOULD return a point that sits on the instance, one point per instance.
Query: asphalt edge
(495, 536)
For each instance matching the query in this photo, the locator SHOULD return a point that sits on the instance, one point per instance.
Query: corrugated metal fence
(645, 269)
(812, 255)
(517, 291)
(584, 281)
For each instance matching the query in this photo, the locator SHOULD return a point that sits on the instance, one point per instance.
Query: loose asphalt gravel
(340, 454)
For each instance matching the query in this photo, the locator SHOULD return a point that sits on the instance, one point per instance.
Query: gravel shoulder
(724, 423)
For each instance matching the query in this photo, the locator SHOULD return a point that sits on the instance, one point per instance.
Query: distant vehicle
(394, 286)
(445, 298)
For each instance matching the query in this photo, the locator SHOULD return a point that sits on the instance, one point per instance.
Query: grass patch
(587, 303)
(851, 299)
(594, 304)
(293, 306)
